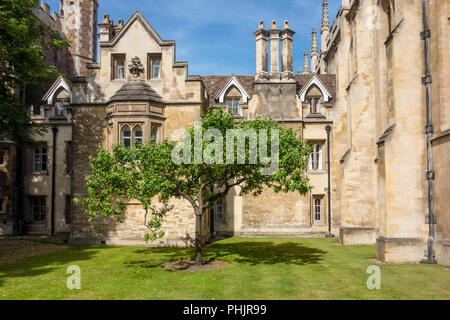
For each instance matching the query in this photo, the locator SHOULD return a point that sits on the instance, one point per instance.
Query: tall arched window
(154, 133)
(137, 135)
(126, 136)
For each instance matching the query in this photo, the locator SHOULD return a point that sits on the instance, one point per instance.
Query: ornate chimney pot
(261, 24)
(274, 24)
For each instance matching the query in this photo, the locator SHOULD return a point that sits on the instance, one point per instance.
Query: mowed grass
(260, 269)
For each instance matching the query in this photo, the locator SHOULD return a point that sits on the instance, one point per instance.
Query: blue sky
(216, 36)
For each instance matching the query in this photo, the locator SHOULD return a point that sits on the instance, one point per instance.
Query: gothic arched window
(137, 135)
(126, 136)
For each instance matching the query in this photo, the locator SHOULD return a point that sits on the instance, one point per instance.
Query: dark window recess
(68, 210)
(39, 209)
(40, 159)
(36, 110)
(69, 159)
(317, 210)
(2, 205)
(2, 157)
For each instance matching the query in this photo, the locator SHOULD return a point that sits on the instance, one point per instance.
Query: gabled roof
(233, 81)
(58, 84)
(137, 16)
(136, 90)
(216, 84)
(318, 80)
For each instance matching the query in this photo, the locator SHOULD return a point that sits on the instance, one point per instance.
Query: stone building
(390, 157)
(362, 96)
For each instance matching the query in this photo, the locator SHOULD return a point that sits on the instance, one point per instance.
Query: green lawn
(260, 269)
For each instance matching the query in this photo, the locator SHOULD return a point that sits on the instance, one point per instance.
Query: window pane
(236, 106)
(219, 210)
(311, 160)
(44, 159)
(36, 161)
(60, 108)
(121, 70)
(154, 134)
(230, 106)
(126, 136)
(137, 135)
(156, 68)
(317, 209)
(39, 210)
(318, 157)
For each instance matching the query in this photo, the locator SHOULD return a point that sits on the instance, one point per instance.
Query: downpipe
(52, 217)
(429, 131)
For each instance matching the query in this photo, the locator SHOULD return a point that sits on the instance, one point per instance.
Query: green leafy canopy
(148, 174)
(23, 43)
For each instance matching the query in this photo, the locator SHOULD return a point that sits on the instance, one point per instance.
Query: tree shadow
(46, 263)
(269, 253)
(248, 252)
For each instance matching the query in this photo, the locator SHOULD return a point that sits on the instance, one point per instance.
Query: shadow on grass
(46, 263)
(248, 252)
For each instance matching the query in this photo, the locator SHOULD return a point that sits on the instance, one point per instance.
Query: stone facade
(377, 53)
(361, 82)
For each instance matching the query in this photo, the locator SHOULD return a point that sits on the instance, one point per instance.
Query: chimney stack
(262, 52)
(106, 29)
(274, 34)
(287, 52)
(45, 7)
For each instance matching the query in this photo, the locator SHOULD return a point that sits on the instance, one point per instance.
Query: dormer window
(154, 65)
(118, 66)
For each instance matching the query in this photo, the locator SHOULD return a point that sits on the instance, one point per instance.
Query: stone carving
(136, 68)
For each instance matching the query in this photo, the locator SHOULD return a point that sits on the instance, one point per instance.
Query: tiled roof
(214, 84)
(136, 90)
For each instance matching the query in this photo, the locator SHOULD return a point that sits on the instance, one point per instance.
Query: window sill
(43, 173)
(319, 224)
(316, 116)
(316, 172)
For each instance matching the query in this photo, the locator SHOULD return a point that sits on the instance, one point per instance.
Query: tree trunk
(198, 240)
